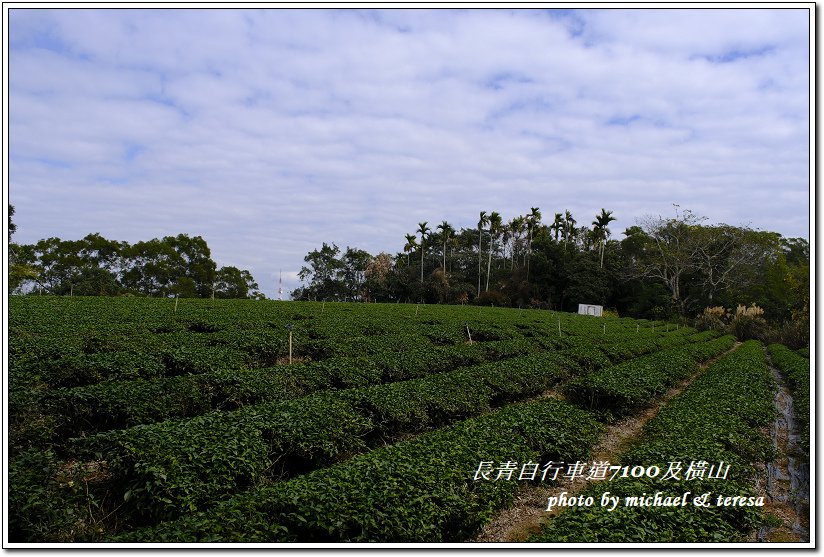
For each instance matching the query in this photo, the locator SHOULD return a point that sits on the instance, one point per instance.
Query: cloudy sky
(269, 132)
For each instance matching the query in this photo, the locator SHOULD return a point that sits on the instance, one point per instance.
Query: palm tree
(557, 225)
(531, 221)
(424, 232)
(453, 243)
(515, 229)
(446, 232)
(495, 223)
(601, 221)
(569, 227)
(484, 220)
(411, 244)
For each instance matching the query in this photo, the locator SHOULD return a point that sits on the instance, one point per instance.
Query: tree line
(663, 267)
(96, 266)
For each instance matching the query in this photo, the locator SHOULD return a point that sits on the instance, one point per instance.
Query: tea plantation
(142, 420)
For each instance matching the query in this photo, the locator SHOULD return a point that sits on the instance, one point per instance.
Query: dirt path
(524, 517)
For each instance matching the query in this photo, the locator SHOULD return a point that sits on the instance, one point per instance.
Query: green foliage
(703, 351)
(48, 502)
(718, 418)
(614, 391)
(194, 417)
(94, 266)
(89, 369)
(165, 468)
(420, 490)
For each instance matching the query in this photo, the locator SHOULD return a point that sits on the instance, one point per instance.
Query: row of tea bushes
(421, 490)
(174, 467)
(115, 405)
(718, 419)
(621, 389)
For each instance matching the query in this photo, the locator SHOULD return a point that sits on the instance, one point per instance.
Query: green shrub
(617, 390)
(47, 502)
(718, 418)
(421, 490)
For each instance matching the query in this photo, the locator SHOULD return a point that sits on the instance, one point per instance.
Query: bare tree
(729, 256)
(672, 249)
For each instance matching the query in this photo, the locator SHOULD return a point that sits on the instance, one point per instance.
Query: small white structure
(590, 309)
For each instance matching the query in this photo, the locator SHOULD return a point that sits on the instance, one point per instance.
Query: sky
(269, 132)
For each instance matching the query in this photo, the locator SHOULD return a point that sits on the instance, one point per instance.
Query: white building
(590, 309)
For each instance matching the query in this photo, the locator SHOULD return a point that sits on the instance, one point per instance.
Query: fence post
(289, 328)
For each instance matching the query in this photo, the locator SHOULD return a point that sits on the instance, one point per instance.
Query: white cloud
(269, 132)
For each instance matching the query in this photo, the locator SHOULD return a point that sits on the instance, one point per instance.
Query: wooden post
(559, 327)
(289, 328)
(175, 303)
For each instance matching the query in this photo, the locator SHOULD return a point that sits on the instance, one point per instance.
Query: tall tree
(194, 262)
(515, 228)
(410, 246)
(601, 231)
(569, 228)
(724, 251)
(12, 226)
(377, 278)
(22, 261)
(322, 274)
(353, 271)
(557, 225)
(670, 253)
(424, 231)
(483, 221)
(231, 282)
(532, 221)
(495, 224)
(446, 234)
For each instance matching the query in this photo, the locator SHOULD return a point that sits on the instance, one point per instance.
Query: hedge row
(621, 389)
(718, 419)
(705, 351)
(421, 490)
(173, 467)
(116, 405)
